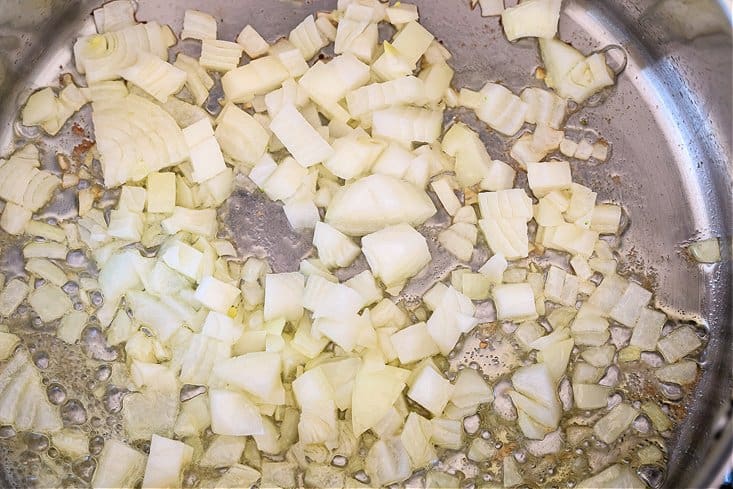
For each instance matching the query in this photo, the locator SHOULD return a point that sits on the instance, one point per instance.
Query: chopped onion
(118, 465)
(612, 425)
(615, 476)
(413, 343)
(254, 45)
(705, 251)
(222, 56)
(375, 202)
(533, 18)
(678, 344)
(395, 254)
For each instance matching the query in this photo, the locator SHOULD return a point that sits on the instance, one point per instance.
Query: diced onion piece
(507, 204)
(408, 46)
(353, 155)
(126, 225)
(494, 268)
(533, 18)
(599, 356)
(395, 253)
(8, 343)
(571, 238)
(377, 201)
(414, 343)
(118, 465)
(544, 107)
(584, 150)
(408, 124)
(606, 219)
(375, 391)
(233, 414)
(23, 402)
(387, 462)
(437, 78)
(327, 299)
(431, 390)
(647, 329)
(629, 306)
(402, 13)
(501, 109)
(570, 73)
(705, 251)
(196, 221)
(161, 192)
(512, 475)
(198, 25)
(682, 373)
(490, 8)
(198, 81)
(377, 96)
(257, 373)
(584, 373)
(285, 180)
(568, 147)
(507, 237)
(147, 140)
(472, 160)
(47, 270)
(299, 137)
(284, 296)
(222, 56)
(157, 77)
(612, 425)
(240, 136)
(216, 295)
(678, 344)
(223, 451)
(447, 197)
(608, 293)
(205, 153)
(46, 231)
(328, 83)
(113, 16)
(416, 439)
(255, 78)
(548, 176)
(514, 301)
(447, 433)
(252, 42)
(618, 476)
(658, 418)
(456, 244)
(49, 302)
(307, 38)
(335, 249)
(12, 296)
(470, 389)
(15, 218)
(590, 396)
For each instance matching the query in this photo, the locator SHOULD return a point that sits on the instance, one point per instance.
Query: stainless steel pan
(668, 122)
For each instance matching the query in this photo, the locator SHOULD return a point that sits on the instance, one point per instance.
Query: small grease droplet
(56, 393)
(73, 412)
(76, 259)
(339, 461)
(70, 287)
(96, 444)
(7, 431)
(36, 442)
(84, 468)
(104, 372)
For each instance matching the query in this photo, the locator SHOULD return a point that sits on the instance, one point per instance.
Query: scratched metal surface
(668, 122)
